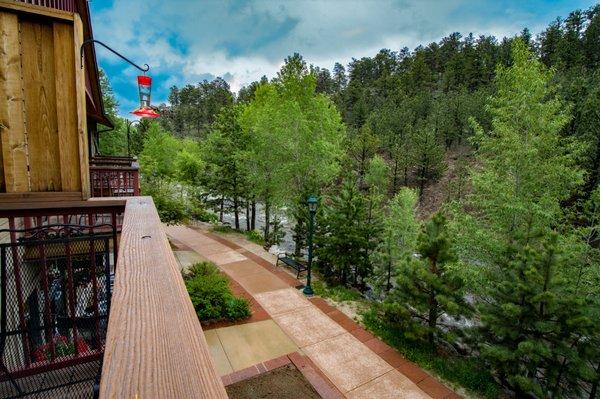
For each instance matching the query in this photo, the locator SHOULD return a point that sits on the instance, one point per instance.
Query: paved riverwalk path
(358, 364)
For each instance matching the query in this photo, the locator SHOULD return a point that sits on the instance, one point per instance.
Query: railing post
(136, 183)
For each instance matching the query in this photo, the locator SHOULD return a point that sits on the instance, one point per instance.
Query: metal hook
(114, 52)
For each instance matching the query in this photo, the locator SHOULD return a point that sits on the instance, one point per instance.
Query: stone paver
(218, 353)
(221, 258)
(249, 344)
(262, 282)
(307, 325)
(281, 301)
(346, 361)
(391, 385)
(188, 258)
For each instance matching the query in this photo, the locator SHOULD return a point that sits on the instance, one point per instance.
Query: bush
(255, 236)
(210, 294)
(338, 293)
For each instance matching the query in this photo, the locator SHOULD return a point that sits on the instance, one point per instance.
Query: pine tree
(427, 287)
(342, 243)
(534, 326)
(400, 229)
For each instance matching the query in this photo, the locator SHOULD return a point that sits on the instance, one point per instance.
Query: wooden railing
(63, 5)
(155, 347)
(114, 181)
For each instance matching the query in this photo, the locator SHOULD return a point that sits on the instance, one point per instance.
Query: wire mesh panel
(114, 182)
(55, 285)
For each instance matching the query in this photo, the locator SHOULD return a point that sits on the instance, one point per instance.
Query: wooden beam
(82, 134)
(17, 6)
(12, 129)
(155, 347)
(39, 197)
(37, 63)
(56, 206)
(66, 106)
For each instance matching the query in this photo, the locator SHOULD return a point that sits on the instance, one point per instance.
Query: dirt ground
(282, 383)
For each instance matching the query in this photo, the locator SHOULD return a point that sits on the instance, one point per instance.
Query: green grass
(252, 235)
(337, 293)
(470, 373)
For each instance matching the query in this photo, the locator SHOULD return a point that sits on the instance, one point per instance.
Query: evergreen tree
(342, 242)
(427, 287)
(428, 157)
(534, 326)
(400, 229)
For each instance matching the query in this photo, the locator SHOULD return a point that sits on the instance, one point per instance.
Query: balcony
(114, 176)
(93, 299)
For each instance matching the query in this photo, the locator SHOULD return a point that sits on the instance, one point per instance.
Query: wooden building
(89, 287)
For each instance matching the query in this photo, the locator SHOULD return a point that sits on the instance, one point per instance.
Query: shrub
(237, 309)
(255, 236)
(210, 294)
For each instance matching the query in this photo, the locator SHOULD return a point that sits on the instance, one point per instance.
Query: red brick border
(311, 373)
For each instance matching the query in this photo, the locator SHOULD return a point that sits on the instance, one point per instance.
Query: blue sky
(186, 41)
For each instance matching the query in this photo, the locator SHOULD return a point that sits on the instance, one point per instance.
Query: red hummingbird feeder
(145, 88)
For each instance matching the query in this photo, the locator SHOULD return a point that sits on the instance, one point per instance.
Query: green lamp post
(312, 208)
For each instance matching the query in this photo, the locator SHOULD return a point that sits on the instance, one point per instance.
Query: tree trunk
(395, 176)
(594, 389)
(253, 217)
(421, 185)
(299, 241)
(433, 306)
(236, 212)
(247, 215)
(221, 209)
(267, 219)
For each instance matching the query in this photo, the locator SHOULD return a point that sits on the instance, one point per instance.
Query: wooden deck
(155, 347)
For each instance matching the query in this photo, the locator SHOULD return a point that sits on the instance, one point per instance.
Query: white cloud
(244, 40)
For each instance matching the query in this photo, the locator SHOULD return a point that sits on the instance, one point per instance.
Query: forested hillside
(458, 186)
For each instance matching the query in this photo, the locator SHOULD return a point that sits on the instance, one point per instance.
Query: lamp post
(312, 208)
(129, 123)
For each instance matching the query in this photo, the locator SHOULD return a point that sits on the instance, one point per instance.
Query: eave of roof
(95, 106)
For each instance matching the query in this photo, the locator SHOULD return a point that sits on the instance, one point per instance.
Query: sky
(187, 41)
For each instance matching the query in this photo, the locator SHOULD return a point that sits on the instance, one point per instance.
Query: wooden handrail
(155, 347)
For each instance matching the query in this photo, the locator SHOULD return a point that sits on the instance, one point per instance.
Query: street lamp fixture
(129, 124)
(312, 208)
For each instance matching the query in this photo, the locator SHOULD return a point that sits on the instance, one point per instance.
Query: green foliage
(255, 237)
(535, 327)
(224, 175)
(170, 169)
(337, 292)
(211, 296)
(111, 142)
(398, 239)
(343, 237)
(526, 169)
(427, 287)
(193, 108)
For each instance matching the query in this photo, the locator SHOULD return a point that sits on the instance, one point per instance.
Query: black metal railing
(56, 283)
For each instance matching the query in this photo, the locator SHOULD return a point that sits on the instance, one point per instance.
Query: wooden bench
(294, 264)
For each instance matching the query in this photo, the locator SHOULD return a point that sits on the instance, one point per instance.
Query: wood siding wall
(43, 132)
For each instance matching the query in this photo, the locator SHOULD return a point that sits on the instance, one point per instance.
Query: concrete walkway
(351, 365)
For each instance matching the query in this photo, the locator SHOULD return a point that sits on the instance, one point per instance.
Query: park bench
(291, 262)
